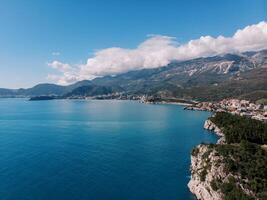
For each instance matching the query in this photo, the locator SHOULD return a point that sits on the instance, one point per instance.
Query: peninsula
(235, 167)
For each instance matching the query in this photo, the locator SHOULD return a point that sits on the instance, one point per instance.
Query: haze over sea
(77, 150)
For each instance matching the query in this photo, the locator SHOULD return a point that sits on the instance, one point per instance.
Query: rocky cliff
(231, 170)
(209, 125)
(211, 178)
(204, 172)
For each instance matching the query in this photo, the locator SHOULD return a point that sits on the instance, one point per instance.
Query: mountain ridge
(193, 79)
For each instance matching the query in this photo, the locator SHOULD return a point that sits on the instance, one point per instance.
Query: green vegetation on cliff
(247, 161)
(238, 128)
(243, 156)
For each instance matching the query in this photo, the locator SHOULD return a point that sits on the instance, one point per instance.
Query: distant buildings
(234, 106)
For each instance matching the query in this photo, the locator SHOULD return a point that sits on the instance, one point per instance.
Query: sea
(97, 149)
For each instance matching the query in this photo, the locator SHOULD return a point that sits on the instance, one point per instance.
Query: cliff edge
(204, 172)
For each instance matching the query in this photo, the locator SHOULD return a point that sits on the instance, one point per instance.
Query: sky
(62, 42)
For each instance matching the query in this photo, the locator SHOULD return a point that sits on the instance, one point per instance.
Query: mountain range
(211, 78)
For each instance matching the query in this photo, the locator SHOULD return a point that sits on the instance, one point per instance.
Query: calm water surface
(96, 150)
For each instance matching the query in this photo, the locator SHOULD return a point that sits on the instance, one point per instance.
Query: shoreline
(202, 159)
(41, 98)
(168, 103)
(196, 187)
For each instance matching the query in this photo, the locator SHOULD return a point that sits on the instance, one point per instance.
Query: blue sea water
(96, 150)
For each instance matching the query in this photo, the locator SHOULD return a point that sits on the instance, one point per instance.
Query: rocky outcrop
(209, 173)
(206, 168)
(215, 170)
(209, 125)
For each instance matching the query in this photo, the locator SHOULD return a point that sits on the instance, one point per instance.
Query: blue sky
(31, 30)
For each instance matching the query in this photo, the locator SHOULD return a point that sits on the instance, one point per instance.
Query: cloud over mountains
(158, 51)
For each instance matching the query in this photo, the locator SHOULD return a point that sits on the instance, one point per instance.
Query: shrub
(203, 174)
(195, 151)
(214, 184)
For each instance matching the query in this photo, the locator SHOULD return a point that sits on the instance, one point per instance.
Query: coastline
(169, 103)
(203, 190)
(204, 168)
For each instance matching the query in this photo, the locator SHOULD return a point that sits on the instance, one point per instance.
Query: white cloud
(159, 51)
(60, 66)
(69, 73)
(64, 79)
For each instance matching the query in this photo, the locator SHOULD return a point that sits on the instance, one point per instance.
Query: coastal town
(239, 107)
(234, 106)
